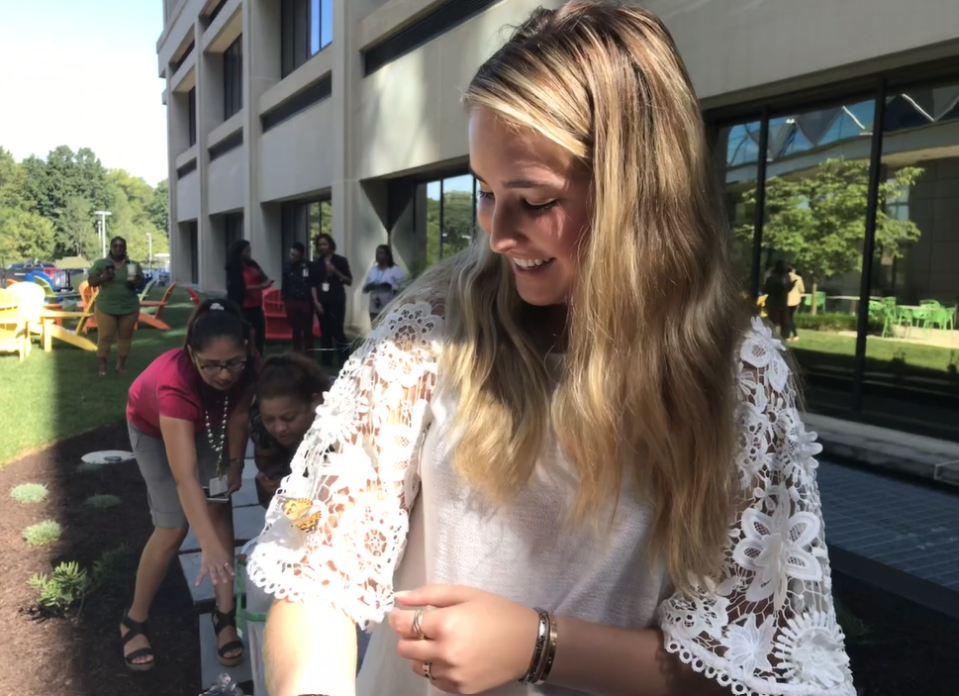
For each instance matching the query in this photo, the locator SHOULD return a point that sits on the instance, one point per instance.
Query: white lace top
(373, 478)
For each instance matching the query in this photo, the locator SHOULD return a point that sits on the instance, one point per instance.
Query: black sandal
(222, 620)
(134, 629)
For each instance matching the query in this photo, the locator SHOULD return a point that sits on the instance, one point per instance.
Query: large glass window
(913, 346)
(444, 220)
(817, 173)
(233, 78)
(304, 221)
(736, 154)
(306, 29)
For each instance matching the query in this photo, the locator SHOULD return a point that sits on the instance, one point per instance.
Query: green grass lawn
(878, 350)
(51, 396)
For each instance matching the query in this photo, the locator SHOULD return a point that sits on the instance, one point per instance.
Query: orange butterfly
(298, 511)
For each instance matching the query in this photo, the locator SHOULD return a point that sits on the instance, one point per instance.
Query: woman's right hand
(319, 307)
(108, 273)
(217, 562)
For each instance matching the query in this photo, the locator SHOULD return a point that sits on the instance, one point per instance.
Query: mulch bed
(905, 649)
(81, 655)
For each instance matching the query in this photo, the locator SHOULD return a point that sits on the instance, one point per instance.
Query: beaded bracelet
(539, 648)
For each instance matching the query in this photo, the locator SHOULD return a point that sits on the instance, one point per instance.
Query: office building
(835, 128)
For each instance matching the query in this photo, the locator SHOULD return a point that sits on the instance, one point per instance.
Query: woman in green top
(118, 304)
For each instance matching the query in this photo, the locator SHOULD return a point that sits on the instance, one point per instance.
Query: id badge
(218, 485)
(325, 287)
(306, 272)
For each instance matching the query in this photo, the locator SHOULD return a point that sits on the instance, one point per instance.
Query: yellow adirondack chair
(14, 337)
(53, 329)
(31, 298)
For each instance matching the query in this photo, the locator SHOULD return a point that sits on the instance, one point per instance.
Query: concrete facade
(362, 146)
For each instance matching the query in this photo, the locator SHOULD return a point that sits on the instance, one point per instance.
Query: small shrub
(42, 533)
(64, 589)
(111, 565)
(853, 627)
(30, 493)
(102, 502)
(831, 321)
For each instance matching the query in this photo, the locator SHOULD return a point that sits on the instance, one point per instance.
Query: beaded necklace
(209, 432)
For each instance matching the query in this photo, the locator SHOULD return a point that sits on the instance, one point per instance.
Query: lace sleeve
(336, 528)
(768, 626)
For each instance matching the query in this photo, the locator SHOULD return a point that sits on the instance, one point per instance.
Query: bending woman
(569, 443)
(117, 304)
(188, 416)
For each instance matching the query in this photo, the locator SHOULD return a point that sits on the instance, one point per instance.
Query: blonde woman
(567, 446)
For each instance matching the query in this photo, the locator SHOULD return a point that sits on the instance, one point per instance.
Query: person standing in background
(796, 292)
(117, 304)
(298, 299)
(383, 281)
(777, 288)
(330, 279)
(245, 283)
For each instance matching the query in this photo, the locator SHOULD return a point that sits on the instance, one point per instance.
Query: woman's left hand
(474, 640)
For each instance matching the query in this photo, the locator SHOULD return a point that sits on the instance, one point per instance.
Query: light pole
(150, 247)
(102, 216)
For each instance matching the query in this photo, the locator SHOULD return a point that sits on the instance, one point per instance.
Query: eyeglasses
(212, 367)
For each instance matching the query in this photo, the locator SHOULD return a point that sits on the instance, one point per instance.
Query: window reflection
(913, 343)
(737, 157)
(814, 229)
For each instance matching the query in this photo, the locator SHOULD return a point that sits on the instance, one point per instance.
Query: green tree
(67, 175)
(159, 208)
(818, 222)
(24, 236)
(13, 182)
(76, 233)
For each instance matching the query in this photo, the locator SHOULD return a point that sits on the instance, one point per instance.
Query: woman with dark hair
(288, 391)
(245, 283)
(383, 280)
(117, 304)
(188, 418)
(298, 298)
(331, 278)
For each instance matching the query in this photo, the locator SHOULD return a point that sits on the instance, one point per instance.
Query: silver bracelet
(539, 648)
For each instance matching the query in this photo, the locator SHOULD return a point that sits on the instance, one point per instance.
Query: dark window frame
(191, 116)
(233, 78)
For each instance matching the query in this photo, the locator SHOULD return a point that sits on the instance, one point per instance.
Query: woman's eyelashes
(533, 207)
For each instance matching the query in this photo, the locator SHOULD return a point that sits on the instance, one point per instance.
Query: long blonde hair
(649, 379)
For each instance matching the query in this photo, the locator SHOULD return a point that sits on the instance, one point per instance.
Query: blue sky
(84, 73)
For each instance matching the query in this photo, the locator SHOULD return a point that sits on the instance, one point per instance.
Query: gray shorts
(162, 495)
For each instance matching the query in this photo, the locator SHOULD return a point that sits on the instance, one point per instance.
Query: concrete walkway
(884, 449)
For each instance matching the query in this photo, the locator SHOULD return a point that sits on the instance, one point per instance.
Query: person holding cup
(117, 304)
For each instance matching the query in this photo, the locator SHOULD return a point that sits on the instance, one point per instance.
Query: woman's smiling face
(534, 205)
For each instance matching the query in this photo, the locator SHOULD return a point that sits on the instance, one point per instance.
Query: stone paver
(210, 669)
(907, 527)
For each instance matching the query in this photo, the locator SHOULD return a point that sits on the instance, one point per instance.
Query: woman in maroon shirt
(188, 418)
(245, 283)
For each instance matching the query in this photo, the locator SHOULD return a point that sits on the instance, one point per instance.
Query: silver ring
(418, 627)
(428, 670)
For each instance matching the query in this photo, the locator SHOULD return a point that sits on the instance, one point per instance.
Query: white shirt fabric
(379, 459)
(380, 298)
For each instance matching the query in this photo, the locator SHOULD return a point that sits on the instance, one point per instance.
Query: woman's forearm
(238, 431)
(194, 505)
(595, 658)
(309, 648)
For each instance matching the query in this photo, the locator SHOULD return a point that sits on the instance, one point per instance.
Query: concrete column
(210, 252)
(177, 271)
(261, 70)
(359, 210)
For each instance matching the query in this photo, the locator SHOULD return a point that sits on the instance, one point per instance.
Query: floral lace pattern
(337, 526)
(768, 626)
